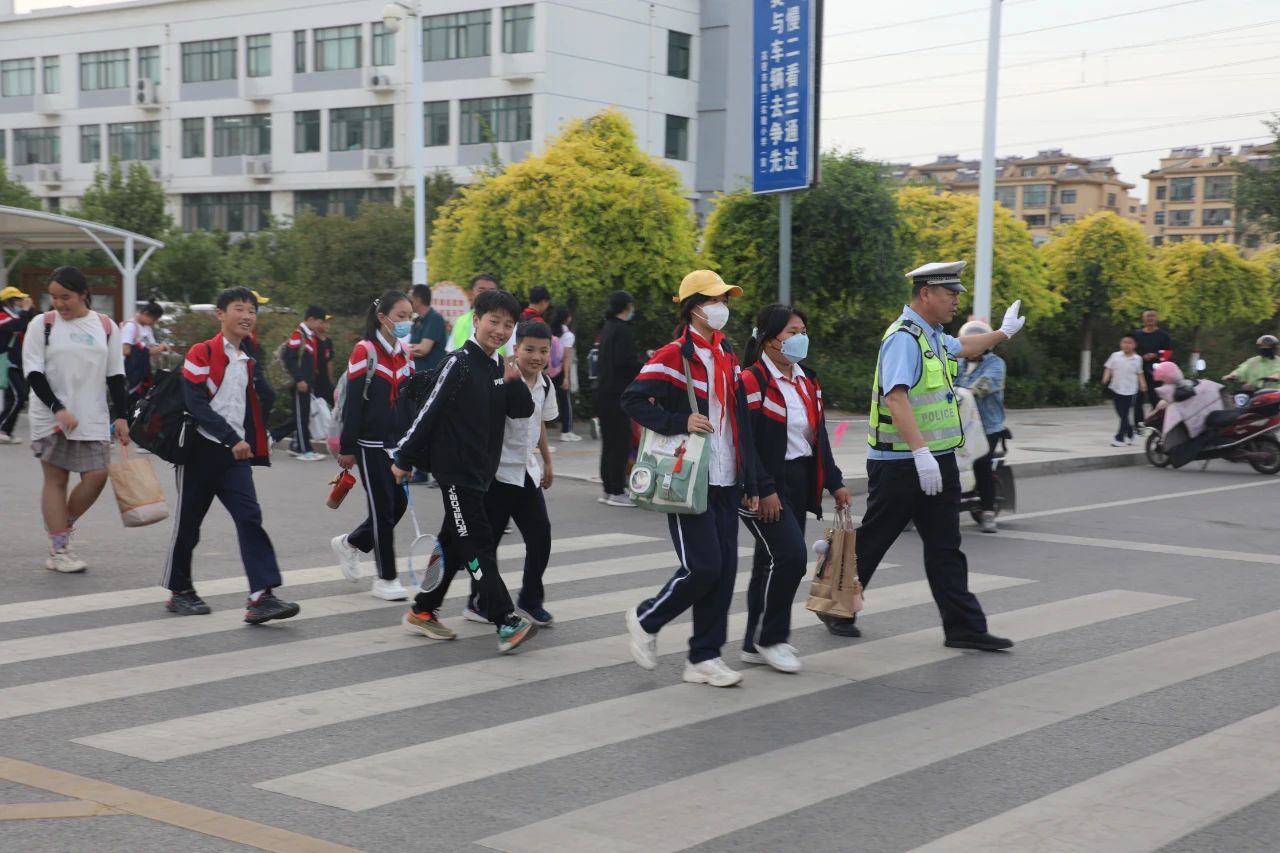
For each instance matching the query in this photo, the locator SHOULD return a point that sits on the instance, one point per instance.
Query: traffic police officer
(911, 467)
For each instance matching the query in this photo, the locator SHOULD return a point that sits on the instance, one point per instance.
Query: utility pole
(784, 248)
(987, 176)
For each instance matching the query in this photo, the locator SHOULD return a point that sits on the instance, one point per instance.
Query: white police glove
(928, 471)
(1012, 322)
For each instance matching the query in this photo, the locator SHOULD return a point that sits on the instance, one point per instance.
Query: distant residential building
(1191, 197)
(1046, 191)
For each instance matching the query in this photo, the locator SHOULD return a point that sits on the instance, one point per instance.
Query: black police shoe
(841, 627)
(983, 642)
(187, 604)
(269, 607)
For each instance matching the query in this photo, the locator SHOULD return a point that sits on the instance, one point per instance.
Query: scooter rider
(984, 375)
(1261, 371)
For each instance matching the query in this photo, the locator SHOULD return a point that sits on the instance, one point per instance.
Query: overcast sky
(1212, 70)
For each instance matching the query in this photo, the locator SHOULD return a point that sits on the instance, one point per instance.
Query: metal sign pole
(784, 248)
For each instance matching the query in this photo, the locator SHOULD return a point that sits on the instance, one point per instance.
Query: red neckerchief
(723, 370)
(809, 395)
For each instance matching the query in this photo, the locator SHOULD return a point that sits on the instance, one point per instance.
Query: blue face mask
(402, 328)
(795, 348)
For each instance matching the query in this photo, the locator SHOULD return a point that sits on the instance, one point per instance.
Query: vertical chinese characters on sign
(784, 134)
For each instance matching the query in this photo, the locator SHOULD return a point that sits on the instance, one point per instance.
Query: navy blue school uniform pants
(298, 426)
(209, 472)
(527, 507)
(707, 546)
(387, 502)
(467, 542)
(780, 559)
(894, 497)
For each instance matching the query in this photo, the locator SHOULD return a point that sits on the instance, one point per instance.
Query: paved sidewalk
(1045, 441)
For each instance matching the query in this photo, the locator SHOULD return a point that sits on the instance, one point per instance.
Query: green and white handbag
(670, 474)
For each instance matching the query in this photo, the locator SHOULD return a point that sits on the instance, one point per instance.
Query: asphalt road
(1137, 712)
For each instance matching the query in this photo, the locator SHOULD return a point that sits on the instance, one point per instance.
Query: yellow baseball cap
(707, 283)
(262, 300)
(11, 292)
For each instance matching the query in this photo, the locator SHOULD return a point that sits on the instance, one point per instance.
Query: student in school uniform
(16, 313)
(230, 440)
(374, 416)
(795, 466)
(138, 343)
(525, 472)
(301, 355)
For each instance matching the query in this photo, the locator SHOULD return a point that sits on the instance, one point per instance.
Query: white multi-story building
(243, 107)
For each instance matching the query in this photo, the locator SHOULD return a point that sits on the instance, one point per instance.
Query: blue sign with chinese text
(784, 65)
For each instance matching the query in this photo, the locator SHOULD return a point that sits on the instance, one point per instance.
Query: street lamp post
(392, 15)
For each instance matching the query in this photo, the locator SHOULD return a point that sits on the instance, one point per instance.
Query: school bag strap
(48, 325)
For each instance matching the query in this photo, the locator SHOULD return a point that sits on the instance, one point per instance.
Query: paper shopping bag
(138, 492)
(835, 590)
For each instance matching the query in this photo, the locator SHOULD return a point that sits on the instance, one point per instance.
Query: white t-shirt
(799, 433)
(722, 467)
(230, 401)
(567, 338)
(520, 438)
(1125, 370)
(134, 333)
(77, 362)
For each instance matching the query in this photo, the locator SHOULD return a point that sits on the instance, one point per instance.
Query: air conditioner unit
(380, 163)
(146, 95)
(258, 167)
(48, 175)
(381, 83)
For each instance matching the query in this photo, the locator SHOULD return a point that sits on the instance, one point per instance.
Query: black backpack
(160, 420)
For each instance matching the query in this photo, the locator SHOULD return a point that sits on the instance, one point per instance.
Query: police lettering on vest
(933, 399)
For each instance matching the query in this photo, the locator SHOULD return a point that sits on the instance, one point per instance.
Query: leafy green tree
(343, 263)
(1210, 284)
(1101, 267)
(1257, 192)
(132, 200)
(846, 260)
(192, 267)
(267, 261)
(14, 193)
(589, 215)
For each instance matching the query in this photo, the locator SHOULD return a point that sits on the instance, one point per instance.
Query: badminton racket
(425, 561)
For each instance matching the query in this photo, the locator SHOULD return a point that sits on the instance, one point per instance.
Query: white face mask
(715, 313)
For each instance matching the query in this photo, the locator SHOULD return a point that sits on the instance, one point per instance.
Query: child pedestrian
(300, 357)
(524, 472)
(707, 544)
(230, 439)
(561, 328)
(374, 416)
(1122, 373)
(16, 313)
(138, 343)
(458, 435)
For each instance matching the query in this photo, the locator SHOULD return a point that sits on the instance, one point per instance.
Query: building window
(1159, 217)
(340, 202)
(677, 143)
(486, 120)
(17, 77)
(1111, 200)
(357, 128)
(41, 145)
(1252, 241)
(134, 140)
(1183, 189)
(435, 123)
(517, 29)
(1216, 216)
(1053, 170)
(299, 51)
(192, 137)
(232, 212)
(1208, 238)
(149, 63)
(1034, 220)
(1180, 218)
(1157, 241)
(1218, 186)
(1067, 196)
(3, 150)
(1029, 171)
(257, 56)
(104, 69)
(1007, 196)
(235, 136)
(51, 70)
(1175, 238)
(459, 36)
(1161, 192)
(306, 131)
(384, 45)
(1067, 219)
(1035, 195)
(338, 48)
(208, 60)
(679, 54)
(90, 143)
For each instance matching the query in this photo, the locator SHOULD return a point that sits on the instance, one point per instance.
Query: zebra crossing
(198, 715)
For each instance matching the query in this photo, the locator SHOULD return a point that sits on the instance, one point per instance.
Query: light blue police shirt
(901, 363)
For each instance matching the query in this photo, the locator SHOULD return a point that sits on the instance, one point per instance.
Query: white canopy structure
(24, 230)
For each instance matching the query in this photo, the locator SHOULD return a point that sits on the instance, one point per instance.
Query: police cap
(943, 274)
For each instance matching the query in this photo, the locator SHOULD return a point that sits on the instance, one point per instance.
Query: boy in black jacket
(458, 437)
(300, 357)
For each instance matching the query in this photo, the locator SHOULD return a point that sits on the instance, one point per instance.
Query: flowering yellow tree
(1210, 284)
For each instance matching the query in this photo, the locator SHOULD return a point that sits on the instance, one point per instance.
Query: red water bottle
(341, 485)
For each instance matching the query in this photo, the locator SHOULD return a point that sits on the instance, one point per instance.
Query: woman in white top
(564, 380)
(74, 364)
(1123, 375)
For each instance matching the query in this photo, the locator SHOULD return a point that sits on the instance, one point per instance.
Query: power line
(1013, 35)
(924, 20)
(903, 157)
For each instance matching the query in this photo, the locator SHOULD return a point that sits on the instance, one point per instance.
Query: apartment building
(247, 107)
(1191, 196)
(1045, 191)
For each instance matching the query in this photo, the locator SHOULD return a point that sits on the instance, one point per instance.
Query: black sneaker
(268, 607)
(841, 627)
(983, 642)
(187, 604)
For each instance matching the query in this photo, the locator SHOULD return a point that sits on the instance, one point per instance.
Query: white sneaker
(472, 615)
(388, 590)
(644, 646)
(66, 562)
(348, 558)
(714, 672)
(758, 659)
(570, 436)
(1130, 441)
(5, 438)
(619, 500)
(309, 456)
(781, 657)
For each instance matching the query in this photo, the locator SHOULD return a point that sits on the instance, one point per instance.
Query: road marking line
(50, 811)
(44, 608)
(182, 815)
(392, 776)
(1144, 805)
(1145, 547)
(243, 724)
(1130, 501)
(744, 793)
